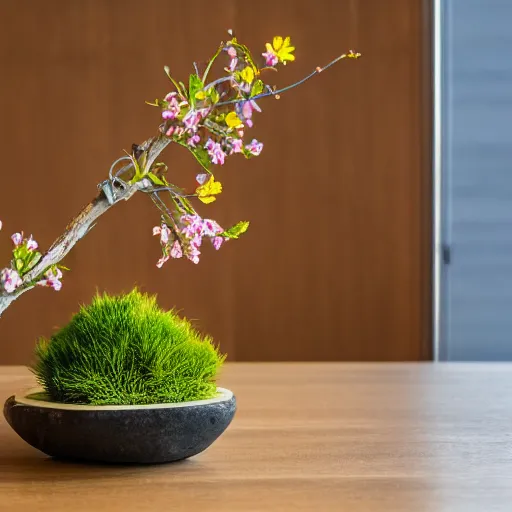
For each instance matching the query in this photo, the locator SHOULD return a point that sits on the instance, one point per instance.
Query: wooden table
(307, 437)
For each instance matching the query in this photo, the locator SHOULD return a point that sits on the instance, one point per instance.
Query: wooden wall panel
(336, 264)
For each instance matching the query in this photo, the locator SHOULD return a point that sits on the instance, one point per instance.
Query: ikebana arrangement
(141, 381)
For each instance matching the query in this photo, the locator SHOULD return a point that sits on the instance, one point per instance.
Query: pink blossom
(172, 100)
(217, 242)
(10, 280)
(254, 147)
(249, 106)
(193, 254)
(197, 240)
(52, 279)
(164, 233)
(176, 251)
(192, 141)
(17, 239)
(232, 65)
(245, 87)
(202, 178)
(31, 244)
(191, 120)
(1, 225)
(56, 285)
(231, 50)
(175, 130)
(193, 225)
(215, 151)
(211, 227)
(218, 156)
(203, 112)
(168, 114)
(173, 107)
(162, 260)
(270, 58)
(195, 228)
(245, 111)
(190, 219)
(236, 145)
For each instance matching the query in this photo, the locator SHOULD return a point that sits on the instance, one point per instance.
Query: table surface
(306, 437)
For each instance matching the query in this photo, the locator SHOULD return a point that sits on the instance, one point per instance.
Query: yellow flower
(232, 120)
(247, 75)
(352, 55)
(207, 192)
(282, 49)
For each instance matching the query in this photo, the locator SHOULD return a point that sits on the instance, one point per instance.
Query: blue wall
(477, 179)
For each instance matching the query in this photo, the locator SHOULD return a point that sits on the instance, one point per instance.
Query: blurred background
(337, 262)
(473, 180)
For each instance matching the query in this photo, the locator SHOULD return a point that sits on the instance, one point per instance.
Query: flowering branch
(46, 270)
(209, 119)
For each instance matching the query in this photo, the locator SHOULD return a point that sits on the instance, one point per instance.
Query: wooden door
(336, 265)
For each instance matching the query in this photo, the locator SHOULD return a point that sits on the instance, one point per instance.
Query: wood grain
(326, 437)
(336, 265)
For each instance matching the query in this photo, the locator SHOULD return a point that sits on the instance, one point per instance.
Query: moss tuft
(125, 350)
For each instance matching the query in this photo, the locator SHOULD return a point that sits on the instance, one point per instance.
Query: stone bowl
(141, 434)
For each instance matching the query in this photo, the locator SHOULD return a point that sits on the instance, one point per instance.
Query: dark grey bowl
(144, 434)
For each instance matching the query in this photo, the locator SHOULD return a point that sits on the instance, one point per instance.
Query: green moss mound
(125, 350)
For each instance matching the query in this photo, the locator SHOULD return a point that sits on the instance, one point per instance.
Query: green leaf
(19, 263)
(184, 204)
(19, 252)
(32, 260)
(200, 154)
(161, 169)
(142, 161)
(157, 103)
(214, 95)
(257, 88)
(202, 157)
(247, 54)
(195, 85)
(168, 73)
(184, 89)
(212, 60)
(139, 166)
(238, 229)
(62, 267)
(155, 179)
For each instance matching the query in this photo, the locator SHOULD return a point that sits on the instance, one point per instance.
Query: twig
(82, 224)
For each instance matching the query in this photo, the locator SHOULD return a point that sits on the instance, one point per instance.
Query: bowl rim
(20, 398)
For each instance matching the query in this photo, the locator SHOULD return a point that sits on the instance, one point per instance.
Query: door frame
(437, 185)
